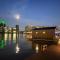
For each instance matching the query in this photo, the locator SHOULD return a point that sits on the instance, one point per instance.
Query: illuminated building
(47, 33)
(2, 22)
(2, 25)
(28, 28)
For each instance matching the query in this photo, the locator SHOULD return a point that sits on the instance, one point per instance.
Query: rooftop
(44, 28)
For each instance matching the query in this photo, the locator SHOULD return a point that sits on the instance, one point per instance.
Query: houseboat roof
(43, 28)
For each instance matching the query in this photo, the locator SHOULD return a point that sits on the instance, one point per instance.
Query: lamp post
(17, 33)
(17, 21)
(17, 18)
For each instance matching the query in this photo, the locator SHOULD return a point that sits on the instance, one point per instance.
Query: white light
(17, 49)
(17, 16)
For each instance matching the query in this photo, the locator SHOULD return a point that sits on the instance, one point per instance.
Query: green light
(2, 21)
(2, 44)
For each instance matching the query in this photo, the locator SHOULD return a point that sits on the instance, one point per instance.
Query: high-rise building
(2, 25)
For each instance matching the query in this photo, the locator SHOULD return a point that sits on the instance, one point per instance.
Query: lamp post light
(17, 16)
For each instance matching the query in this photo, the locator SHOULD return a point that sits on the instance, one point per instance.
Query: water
(15, 47)
(12, 44)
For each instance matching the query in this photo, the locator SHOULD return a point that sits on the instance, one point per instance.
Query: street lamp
(17, 16)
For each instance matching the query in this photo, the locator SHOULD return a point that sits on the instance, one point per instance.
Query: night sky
(32, 12)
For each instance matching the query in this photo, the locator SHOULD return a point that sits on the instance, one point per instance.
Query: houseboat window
(44, 32)
(36, 32)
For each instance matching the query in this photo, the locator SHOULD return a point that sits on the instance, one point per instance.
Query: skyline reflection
(38, 47)
(8, 39)
(11, 44)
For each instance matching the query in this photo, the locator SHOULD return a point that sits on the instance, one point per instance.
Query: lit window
(44, 32)
(36, 32)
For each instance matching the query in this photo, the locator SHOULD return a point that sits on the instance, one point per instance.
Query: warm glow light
(37, 48)
(14, 36)
(29, 36)
(29, 32)
(44, 47)
(14, 31)
(10, 28)
(6, 30)
(44, 32)
(56, 36)
(5, 36)
(10, 35)
(59, 41)
(36, 32)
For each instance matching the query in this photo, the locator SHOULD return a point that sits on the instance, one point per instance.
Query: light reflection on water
(14, 36)
(9, 40)
(2, 44)
(17, 44)
(10, 36)
(39, 47)
(17, 48)
(12, 41)
(5, 37)
(59, 41)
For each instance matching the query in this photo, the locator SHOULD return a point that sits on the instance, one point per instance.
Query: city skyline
(32, 12)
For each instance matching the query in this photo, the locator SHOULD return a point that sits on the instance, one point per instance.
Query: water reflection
(17, 48)
(5, 36)
(9, 40)
(58, 41)
(28, 36)
(19, 43)
(38, 47)
(10, 36)
(2, 44)
(44, 47)
(14, 36)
